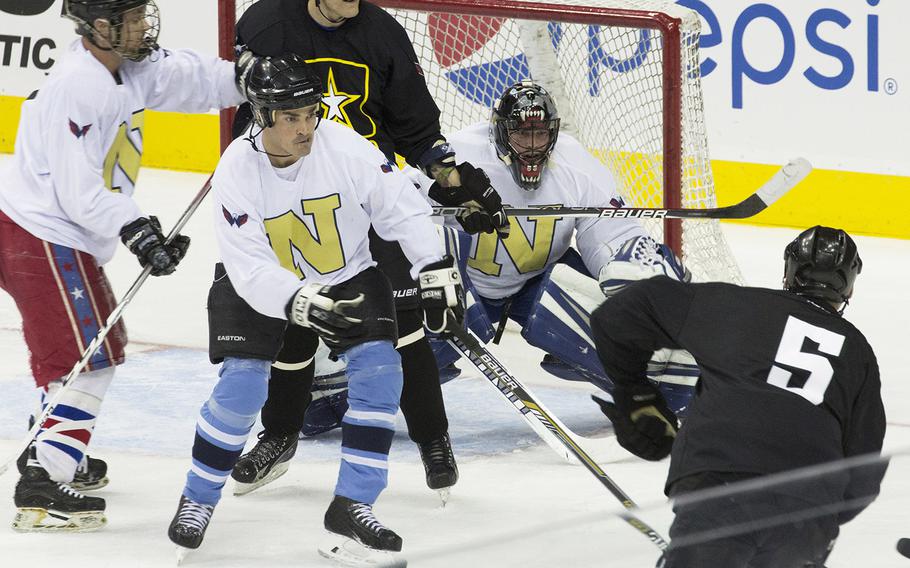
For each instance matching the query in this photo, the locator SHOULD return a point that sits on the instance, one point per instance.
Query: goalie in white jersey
(65, 202)
(293, 209)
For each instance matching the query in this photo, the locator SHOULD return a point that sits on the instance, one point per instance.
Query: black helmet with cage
(822, 263)
(86, 12)
(523, 128)
(280, 83)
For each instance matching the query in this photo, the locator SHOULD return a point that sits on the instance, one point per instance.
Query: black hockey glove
(329, 310)
(485, 213)
(641, 420)
(441, 295)
(144, 239)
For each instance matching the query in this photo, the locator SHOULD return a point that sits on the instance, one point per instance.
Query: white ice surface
(516, 504)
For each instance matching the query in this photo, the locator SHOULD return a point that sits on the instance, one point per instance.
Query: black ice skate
(439, 464)
(47, 506)
(187, 528)
(90, 474)
(267, 461)
(355, 537)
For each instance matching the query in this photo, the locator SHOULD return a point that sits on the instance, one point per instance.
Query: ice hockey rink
(517, 502)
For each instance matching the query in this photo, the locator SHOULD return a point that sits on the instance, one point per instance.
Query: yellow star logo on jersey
(334, 102)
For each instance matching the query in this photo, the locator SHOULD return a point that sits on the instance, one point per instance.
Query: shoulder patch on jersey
(232, 220)
(79, 131)
(617, 202)
(387, 167)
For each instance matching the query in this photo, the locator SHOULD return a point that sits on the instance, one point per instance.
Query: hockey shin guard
(374, 375)
(61, 444)
(223, 425)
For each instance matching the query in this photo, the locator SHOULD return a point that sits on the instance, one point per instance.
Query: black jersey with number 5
(785, 383)
(373, 82)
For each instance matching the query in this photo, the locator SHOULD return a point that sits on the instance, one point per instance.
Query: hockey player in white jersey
(65, 198)
(535, 277)
(293, 209)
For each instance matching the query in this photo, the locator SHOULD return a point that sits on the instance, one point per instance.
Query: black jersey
(785, 383)
(373, 81)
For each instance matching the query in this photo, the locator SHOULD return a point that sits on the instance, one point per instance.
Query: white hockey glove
(637, 259)
(323, 309)
(441, 295)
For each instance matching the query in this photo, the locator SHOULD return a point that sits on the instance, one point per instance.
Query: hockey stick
(545, 424)
(782, 182)
(96, 343)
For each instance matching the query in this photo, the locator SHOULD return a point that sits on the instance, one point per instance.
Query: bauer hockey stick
(783, 181)
(545, 424)
(102, 333)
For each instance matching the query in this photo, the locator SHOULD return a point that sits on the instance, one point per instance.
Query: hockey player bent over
(786, 383)
(293, 208)
(65, 199)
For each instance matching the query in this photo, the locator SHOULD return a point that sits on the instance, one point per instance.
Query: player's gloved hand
(144, 239)
(331, 311)
(641, 420)
(637, 259)
(441, 295)
(485, 213)
(243, 64)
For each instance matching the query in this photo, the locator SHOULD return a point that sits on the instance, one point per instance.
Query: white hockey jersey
(499, 267)
(80, 140)
(274, 232)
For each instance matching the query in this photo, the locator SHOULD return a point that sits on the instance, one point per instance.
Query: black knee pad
(235, 328)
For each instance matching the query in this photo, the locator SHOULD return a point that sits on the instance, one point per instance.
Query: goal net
(626, 80)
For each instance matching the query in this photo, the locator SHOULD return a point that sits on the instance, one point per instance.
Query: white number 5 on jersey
(790, 353)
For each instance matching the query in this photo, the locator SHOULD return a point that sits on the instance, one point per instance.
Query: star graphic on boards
(77, 293)
(335, 101)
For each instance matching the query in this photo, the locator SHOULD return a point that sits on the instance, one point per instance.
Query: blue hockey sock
(374, 389)
(223, 425)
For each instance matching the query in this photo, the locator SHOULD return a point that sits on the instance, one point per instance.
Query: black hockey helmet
(822, 263)
(523, 128)
(280, 83)
(85, 12)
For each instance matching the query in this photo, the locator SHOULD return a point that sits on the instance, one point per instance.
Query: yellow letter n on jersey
(124, 153)
(291, 238)
(527, 254)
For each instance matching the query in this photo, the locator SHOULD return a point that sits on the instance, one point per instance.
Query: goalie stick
(545, 424)
(102, 333)
(783, 181)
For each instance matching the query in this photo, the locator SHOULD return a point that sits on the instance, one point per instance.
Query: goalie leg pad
(223, 425)
(374, 372)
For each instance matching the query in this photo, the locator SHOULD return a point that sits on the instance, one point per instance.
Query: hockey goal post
(626, 79)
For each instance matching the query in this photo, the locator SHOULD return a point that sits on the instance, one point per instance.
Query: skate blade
(444, 495)
(349, 552)
(89, 486)
(276, 472)
(43, 520)
(182, 553)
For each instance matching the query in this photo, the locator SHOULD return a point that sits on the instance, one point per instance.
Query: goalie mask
(523, 128)
(822, 263)
(132, 35)
(280, 83)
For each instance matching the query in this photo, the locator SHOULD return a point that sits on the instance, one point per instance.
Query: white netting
(609, 84)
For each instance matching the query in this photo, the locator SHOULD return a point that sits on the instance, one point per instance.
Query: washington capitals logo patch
(232, 220)
(79, 131)
(386, 168)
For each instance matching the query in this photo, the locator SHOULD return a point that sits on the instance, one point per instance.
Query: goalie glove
(485, 212)
(329, 310)
(441, 295)
(637, 259)
(641, 420)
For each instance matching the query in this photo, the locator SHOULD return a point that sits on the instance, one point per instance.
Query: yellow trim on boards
(870, 204)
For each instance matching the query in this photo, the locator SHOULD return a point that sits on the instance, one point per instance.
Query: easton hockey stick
(545, 424)
(783, 181)
(102, 333)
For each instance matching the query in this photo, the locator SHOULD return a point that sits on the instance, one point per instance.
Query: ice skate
(439, 464)
(267, 461)
(187, 528)
(44, 505)
(356, 538)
